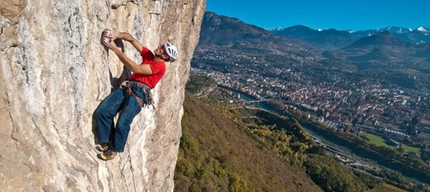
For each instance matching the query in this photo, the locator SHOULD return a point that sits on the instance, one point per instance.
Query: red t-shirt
(158, 69)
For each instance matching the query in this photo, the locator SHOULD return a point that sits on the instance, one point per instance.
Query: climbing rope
(131, 168)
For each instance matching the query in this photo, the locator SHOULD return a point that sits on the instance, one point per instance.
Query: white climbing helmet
(172, 51)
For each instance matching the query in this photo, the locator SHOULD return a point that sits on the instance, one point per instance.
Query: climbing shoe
(102, 147)
(107, 155)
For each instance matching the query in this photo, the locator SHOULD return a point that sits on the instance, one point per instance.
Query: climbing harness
(147, 100)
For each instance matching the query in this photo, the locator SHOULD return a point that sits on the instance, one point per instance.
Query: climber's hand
(111, 33)
(107, 33)
(106, 41)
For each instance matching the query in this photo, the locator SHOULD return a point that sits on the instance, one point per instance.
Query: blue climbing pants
(123, 102)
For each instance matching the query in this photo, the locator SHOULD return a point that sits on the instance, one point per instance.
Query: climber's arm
(143, 69)
(125, 36)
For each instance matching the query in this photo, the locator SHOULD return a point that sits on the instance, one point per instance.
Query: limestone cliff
(55, 72)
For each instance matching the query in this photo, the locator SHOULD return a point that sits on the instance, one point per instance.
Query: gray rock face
(55, 72)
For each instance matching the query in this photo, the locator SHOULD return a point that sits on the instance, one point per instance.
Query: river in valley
(330, 147)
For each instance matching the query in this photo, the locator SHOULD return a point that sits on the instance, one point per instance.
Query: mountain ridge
(418, 36)
(397, 29)
(383, 51)
(230, 33)
(233, 34)
(384, 38)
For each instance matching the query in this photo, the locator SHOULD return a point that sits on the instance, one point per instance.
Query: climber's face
(161, 52)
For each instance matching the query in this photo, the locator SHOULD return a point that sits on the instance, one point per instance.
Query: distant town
(398, 112)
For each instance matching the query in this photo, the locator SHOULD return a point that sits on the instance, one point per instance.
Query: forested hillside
(231, 147)
(217, 155)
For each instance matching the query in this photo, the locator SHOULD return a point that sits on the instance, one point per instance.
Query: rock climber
(133, 94)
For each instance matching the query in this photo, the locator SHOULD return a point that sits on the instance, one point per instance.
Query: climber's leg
(106, 113)
(129, 110)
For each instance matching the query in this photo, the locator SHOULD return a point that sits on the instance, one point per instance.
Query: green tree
(237, 184)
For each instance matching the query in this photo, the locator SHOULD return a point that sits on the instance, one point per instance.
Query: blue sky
(326, 14)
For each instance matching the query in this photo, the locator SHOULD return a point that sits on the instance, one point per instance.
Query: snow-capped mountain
(334, 39)
(402, 30)
(422, 29)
